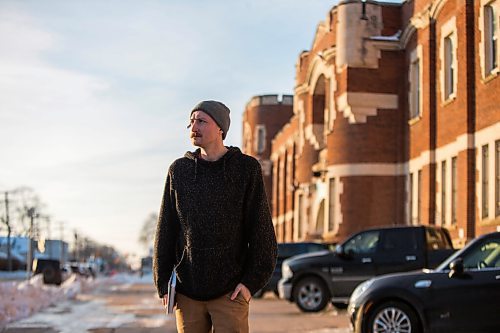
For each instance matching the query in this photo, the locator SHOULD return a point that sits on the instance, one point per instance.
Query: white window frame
(485, 47)
(448, 30)
(415, 75)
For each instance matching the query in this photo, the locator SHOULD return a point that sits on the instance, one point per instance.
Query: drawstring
(178, 264)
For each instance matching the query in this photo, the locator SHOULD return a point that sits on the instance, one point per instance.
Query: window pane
(490, 36)
(363, 243)
(410, 199)
(332, 198)
(485, 255)
(419, 196)
(485, 185)
(443, 192)
(448, 67)
(454, 192)
(400, 239)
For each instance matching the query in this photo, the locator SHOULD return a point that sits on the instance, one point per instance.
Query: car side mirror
(456, 268)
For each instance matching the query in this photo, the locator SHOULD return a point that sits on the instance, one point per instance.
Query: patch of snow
(21, 299)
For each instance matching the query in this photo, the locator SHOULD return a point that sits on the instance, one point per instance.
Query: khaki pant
(221, 315)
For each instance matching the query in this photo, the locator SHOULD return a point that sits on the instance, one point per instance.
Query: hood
(312, 257)
(232, 152)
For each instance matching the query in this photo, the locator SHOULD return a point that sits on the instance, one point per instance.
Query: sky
(95, 95)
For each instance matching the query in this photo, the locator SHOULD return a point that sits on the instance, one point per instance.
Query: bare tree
(26, 199)
(147, 232)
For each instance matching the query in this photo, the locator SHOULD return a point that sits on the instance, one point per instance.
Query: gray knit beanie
(219, 113)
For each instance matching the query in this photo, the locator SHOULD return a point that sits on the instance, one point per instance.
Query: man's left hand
(241, 288)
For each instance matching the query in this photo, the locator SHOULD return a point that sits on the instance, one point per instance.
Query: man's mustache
(195, 135)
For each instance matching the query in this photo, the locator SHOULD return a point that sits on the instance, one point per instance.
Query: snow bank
(22, 299)
(124, 278)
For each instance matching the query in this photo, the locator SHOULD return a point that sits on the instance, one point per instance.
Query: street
(131, 308)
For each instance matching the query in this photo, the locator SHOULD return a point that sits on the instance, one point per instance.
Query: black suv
(285, 251)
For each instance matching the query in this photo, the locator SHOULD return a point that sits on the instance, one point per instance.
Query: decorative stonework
(358, 106)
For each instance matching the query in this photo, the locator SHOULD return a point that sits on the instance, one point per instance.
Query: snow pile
(125, 278)
(22, 299)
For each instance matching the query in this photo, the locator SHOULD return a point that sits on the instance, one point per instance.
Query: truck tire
(311, 294)
(392, 317)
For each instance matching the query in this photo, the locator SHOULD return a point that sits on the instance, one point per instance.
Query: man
(214, 229)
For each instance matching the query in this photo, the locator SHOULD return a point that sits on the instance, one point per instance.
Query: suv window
(400, 239)
(436, 239)
(365, 242)
(485, 255)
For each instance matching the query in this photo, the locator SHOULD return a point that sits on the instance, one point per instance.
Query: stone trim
(358, 106)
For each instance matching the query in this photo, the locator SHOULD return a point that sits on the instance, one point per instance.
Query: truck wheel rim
(310, 295)
(391, 320)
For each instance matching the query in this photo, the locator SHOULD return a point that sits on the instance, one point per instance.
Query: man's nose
(194, 126)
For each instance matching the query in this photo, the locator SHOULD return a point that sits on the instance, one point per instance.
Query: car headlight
(360, 290)
(286, 272)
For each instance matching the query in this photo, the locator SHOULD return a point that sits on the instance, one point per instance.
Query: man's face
(204, 130)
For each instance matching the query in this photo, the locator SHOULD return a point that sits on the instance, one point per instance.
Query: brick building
(396, 120)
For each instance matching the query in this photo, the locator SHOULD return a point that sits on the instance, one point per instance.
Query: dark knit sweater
(215, 217)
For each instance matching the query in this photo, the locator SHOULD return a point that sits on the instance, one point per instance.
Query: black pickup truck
(312, 280)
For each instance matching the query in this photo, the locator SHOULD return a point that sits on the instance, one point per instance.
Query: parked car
(17, 264)
(314, 280)
(50, 270)
(285, 251)
(461, 295)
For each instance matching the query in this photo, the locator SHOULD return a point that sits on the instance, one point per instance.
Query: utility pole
(76, 254)
(61, 259)
(31, 214)
(7, 222)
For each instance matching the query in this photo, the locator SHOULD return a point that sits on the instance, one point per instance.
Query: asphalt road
(135, 308)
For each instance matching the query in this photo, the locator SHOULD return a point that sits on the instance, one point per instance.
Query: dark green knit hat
(219, 113)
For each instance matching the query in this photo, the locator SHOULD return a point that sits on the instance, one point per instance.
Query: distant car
(461, 295)
(285, 251)
(17, 264)
(50, 270)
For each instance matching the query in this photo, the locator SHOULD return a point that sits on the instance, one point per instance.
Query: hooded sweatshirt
(214, 226)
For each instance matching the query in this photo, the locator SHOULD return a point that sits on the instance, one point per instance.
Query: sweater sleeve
(262, 247)
(167, 230)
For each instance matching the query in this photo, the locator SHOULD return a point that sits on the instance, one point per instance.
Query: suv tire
(311, 294)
